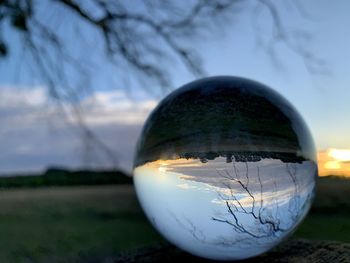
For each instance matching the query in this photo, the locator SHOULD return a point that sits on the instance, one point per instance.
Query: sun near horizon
(334, 162)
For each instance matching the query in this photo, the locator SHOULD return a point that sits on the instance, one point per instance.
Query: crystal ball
(225, 168)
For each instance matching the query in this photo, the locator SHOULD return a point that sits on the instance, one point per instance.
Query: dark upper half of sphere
(225, 116)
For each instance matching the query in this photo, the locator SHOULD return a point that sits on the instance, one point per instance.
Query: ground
(96, 223)
(291, 251)
(71, 223)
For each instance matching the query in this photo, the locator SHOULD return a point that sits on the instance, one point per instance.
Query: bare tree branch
(290, 38)
(144, 41)
(267, 224)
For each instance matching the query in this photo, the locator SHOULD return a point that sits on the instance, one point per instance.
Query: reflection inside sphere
(225, 168)
(215, 209)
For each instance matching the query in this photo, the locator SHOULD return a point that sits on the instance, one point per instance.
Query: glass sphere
(225, 168)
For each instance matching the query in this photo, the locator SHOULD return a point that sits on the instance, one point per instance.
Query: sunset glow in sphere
(225, 168)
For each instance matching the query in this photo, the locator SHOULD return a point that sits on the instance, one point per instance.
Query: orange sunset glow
(334, 162)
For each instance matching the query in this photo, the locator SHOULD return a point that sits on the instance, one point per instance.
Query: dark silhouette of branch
(142, 41)
(266, 224)
(253, 204)
(296, 40)
(189, 226)
(137, 40)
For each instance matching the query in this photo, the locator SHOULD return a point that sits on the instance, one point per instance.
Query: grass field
(70, 223)
(329, 218)
(87, 223)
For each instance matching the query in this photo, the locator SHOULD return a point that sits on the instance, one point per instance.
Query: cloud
(34, 134)
(115, 107)
(13, 96)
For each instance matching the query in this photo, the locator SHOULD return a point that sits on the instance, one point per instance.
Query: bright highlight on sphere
(225, 168)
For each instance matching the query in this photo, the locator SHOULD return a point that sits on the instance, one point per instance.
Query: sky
(33, 135)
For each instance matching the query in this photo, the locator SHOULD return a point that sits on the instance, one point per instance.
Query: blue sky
(33, 135)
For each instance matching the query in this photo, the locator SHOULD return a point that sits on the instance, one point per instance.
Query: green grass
(81, 223)
(70, 223)
(323, 227)
(62, 177)
(329, 218)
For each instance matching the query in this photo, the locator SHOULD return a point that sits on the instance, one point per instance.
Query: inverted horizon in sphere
(238, 117)
(225, 168)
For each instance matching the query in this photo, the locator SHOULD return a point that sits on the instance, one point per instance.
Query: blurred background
(79, 78)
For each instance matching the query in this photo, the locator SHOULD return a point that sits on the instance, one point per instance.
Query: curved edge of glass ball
(219, 123)
(188, 99)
